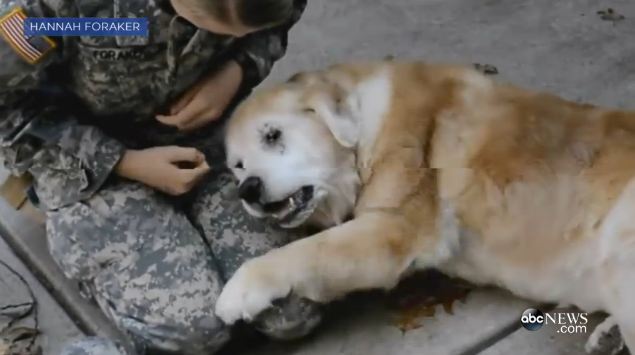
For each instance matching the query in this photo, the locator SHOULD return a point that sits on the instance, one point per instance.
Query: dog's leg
(371, 251)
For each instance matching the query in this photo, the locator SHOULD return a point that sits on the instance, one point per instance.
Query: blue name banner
(85, 26)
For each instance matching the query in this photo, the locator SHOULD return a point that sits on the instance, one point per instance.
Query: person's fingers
(201, 121)
(168, 120)
(179, 104)
(182, 154)
(200, 170)
(193, 176)
(190, 112)
(183, 100)
(185, 179)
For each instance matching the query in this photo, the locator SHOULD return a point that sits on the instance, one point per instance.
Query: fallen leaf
(610, 15)
(486, 69)
(19, 341)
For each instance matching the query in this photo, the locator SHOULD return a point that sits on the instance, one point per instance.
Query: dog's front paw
(250, 291)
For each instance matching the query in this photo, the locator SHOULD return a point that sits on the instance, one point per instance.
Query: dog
(411, 165)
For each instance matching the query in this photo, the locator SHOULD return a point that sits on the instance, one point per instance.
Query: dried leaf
(13, 190)
(610, 15)
(486, 69)
(19, 341)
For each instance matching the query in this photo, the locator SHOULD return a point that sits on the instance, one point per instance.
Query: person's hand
(206, 101)
(173, 170)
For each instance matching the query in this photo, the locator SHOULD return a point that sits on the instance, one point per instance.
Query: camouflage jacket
(64, 119)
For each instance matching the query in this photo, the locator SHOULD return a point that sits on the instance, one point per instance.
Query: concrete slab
(549, 340)
(365, 327)
(55, 325)
(561, 46)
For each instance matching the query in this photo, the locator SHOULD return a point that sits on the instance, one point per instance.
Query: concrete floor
(561, 46)
(54, 323)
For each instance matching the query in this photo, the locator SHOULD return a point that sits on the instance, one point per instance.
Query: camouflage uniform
(93, 346)
(153, 263)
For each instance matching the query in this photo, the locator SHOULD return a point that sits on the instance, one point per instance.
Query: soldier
(119, 134)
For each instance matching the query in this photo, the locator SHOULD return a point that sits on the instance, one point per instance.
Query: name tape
(85, 26)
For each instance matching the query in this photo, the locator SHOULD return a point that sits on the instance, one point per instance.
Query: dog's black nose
(251, 189)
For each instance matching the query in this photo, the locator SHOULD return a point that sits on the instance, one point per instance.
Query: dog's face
(290, 165)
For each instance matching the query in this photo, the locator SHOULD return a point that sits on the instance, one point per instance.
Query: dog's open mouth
(288, 211)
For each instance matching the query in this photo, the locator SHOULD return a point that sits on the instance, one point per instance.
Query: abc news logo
(568, 322)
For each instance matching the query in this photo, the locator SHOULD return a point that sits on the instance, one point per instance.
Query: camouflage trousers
(155, 264)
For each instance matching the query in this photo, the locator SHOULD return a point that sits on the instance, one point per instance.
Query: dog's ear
(339, 113)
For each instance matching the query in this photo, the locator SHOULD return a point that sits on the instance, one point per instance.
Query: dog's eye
(273, 136)
(239, 165)
(308, 110)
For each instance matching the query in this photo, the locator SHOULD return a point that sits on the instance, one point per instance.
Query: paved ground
(55, 325)
(561, 46)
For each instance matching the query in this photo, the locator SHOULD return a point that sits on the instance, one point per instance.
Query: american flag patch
(30, 48)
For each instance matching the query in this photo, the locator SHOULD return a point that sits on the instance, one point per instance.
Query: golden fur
(483, 180)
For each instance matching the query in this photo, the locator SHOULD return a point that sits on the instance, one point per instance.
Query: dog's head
(292, 148)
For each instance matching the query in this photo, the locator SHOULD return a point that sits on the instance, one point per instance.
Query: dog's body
(441, 168)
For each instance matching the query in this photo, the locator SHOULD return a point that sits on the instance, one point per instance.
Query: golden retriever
(415, 166)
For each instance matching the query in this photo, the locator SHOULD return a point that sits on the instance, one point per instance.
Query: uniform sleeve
(258, 51)
(69, 161)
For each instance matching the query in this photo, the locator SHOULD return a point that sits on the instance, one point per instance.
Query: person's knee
(291, 318)
(206, 338)
(169, 315)
(204, 334)
(233, 234)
